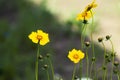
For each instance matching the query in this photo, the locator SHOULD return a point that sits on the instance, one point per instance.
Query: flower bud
(106, 56)
(113, 54)
(40, 57)
(93, 59)
(75, 77)
(108, 60)
(87, 44)
(47, 55)
(116, 63)
(100, 39)
(104, 68)
(115, 71)
(108, 37)
(45, 67)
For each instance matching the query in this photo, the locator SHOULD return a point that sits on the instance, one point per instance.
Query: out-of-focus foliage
(17, 52)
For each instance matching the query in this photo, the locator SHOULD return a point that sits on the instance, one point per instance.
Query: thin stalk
(93, 50)
(87, 59)
(36, 67)
(112, 59)
(80, 68)
(83, 28)
(73, 74)
(104, 75)
(84, 35)
(48, 75)
(98, 73)
(91, 68)
(92, 34)
(52, 69)
(118, 76)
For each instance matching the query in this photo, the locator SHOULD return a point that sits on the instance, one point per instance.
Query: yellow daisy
(90, 6)
(75, 55)
(39, 37)
(84, 16)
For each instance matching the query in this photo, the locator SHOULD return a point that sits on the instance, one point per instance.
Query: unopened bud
(100, 39)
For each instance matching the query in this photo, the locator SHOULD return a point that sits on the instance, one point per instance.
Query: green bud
(40, 57)
(45, 67)
(47, 55)
(108, 37)
(93, 59)
(106, 55)
(116, 63)
(115, 71)
(100, 39)
(104, 68)
(87, 44)
(75, 77)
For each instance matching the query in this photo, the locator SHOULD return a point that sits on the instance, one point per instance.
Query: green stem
(80, 68)
(48, 75)
(92, 34)
(118, 76)
(104, 53)
(73, 75)
(112, 60)
(87, 59)
(104, 75)
(98, 73)
(51, 67)
(91, 68)
(93, 50)
(83, 28)
(36, 67)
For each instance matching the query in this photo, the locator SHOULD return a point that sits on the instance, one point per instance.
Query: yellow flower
(90, 6)
(39, 37)
(75, 55)
(84, 16)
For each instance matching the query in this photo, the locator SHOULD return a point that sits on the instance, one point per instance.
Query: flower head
(39, 37)
(90, 6)
(84, 16)
(75, 55)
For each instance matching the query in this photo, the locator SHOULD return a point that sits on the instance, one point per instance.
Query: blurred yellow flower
(75, 55)
(39, 37)
(90, 6)
(84, 16)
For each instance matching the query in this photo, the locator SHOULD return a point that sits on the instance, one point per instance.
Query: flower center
(75, 56)
(39, 37)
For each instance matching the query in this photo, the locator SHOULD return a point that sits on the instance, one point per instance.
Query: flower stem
(112, 59)
(48, 75)
(82, 35)
(80, 68)
(51, 67)
(87, 59)
(73, 75)
(104, 63)
(93, 50)
(36, 67)
(98, 73)
(92, 34)
(91, 68)
(118, 76)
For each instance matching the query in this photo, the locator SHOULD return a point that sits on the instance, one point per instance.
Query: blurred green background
(18, 54)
